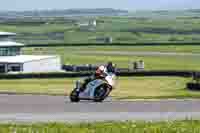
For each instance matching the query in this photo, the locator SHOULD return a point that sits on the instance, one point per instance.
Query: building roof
(10, 44)
(7, 34)
(24, 58)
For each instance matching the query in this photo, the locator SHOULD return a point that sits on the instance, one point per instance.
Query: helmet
(101, 68)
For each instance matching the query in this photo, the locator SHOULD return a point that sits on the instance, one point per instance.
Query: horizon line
(129, 10)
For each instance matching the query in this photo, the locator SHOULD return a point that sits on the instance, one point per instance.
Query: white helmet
(102, 68)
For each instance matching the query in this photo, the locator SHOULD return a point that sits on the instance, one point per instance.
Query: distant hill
(194, 10)
(67, 12)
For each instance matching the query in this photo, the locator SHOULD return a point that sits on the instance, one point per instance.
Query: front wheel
(74, 96)
(102, 92)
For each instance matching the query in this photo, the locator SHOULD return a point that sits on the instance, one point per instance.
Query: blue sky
(20, 5)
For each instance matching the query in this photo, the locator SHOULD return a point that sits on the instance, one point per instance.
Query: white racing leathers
(91, 86)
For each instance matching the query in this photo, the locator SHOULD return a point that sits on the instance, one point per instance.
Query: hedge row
(193, 86)
(157, 73)
(113, 44)
(43, 75)
(85, 74)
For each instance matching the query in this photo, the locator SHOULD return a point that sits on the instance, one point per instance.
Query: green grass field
(87, 55)
(121, 29)
(171, 48)
(186, 126)
(126, 87)
(35, 29)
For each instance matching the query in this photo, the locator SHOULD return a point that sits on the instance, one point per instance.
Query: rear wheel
(102, 92)
(74, 96)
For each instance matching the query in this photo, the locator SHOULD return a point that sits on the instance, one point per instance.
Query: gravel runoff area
(28, 108)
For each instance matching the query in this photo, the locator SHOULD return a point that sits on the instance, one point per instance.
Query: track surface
(153, 53)
(27, 108)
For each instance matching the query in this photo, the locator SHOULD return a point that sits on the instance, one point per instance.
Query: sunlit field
(99, 55)
(126, 87)
(187, 126)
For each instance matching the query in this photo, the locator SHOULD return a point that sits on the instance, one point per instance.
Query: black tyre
(74, 96)
(102, 92)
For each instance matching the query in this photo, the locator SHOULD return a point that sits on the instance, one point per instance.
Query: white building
(11, 59)
(91, 23)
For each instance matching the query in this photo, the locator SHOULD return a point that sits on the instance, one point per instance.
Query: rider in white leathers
(100, 73)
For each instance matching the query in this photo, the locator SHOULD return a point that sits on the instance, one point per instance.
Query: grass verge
(126, 87)
(186, 126)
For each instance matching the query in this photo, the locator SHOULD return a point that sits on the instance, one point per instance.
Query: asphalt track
(140, 53)
(28, 108)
